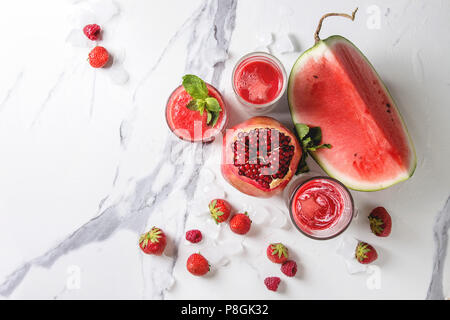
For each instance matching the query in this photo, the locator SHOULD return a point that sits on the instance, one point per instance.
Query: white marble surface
(87, 162)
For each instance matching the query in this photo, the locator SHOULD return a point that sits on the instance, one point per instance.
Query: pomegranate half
(260, 156)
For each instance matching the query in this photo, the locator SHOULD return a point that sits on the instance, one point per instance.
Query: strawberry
(197, 265)
(92, 31)
(153, 241)
(277, 253)
(365, 253)
(240, 223)
(220, 210)
(98, 57)
(272, 283)
(380, 222)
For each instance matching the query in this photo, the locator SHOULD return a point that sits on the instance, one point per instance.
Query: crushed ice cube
(347, 246)
(83, 17)
(231, 247)
(282, 45)
(118, 75)
(214, 192)
(105, 10)
(353, 266)
(198, 207)
(346, 249)
(248, 207)
(259, 216)
(76, 38)
(262, 49)
(265, 39)
(210, 229)
(188, 243)
(216, 55)
(278, 219)
(215, 256)
(206, 176)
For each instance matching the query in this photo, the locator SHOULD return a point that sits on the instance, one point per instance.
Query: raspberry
(289, 268)
(272, 283)
(92, 31)
(194, 236)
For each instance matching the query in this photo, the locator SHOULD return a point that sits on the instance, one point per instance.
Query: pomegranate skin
(244, 184)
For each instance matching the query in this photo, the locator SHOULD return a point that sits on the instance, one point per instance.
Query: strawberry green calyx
(361, 251)
(279, 249)
(153, 236)
(215, 212)
(376, 225)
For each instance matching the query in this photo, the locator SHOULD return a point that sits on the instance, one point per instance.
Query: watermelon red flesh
(334, 87)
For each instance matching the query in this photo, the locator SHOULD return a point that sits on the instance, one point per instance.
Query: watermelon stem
(332, 14)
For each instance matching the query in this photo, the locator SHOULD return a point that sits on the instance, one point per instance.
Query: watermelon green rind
(322, 45)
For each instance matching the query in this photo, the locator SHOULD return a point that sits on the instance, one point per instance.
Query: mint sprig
(310, 140)
(201, 101)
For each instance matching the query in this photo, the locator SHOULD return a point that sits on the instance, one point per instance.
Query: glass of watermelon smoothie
(191, 125)
(320, 207)
(259, 81)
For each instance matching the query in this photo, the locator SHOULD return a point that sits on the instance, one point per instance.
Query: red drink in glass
(321, 207)
(188, 124)
(259, 81)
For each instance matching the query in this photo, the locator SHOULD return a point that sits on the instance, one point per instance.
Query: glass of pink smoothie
(259, 81)
(190, 125)
(320, 207)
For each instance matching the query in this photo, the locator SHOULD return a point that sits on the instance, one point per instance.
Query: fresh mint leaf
(201, 105)
(192, 105)
(302, 166)
(325, 145)
(316, 135)
(215, 117)
(310, 139)
(307, 142)
(201, 100)
(209, 117)
(302, 130)
(195, 86)
(212, 104)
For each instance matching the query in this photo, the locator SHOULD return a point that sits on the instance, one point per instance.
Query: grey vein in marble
(10, 91)
(50, 93)
(91, 108)
(440, 234)
(220, 24)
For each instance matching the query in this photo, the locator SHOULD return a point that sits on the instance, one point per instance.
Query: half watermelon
(333, 86)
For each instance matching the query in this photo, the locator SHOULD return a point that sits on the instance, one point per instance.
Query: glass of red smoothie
(190, 125)
(259, 81)
(320, 207)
